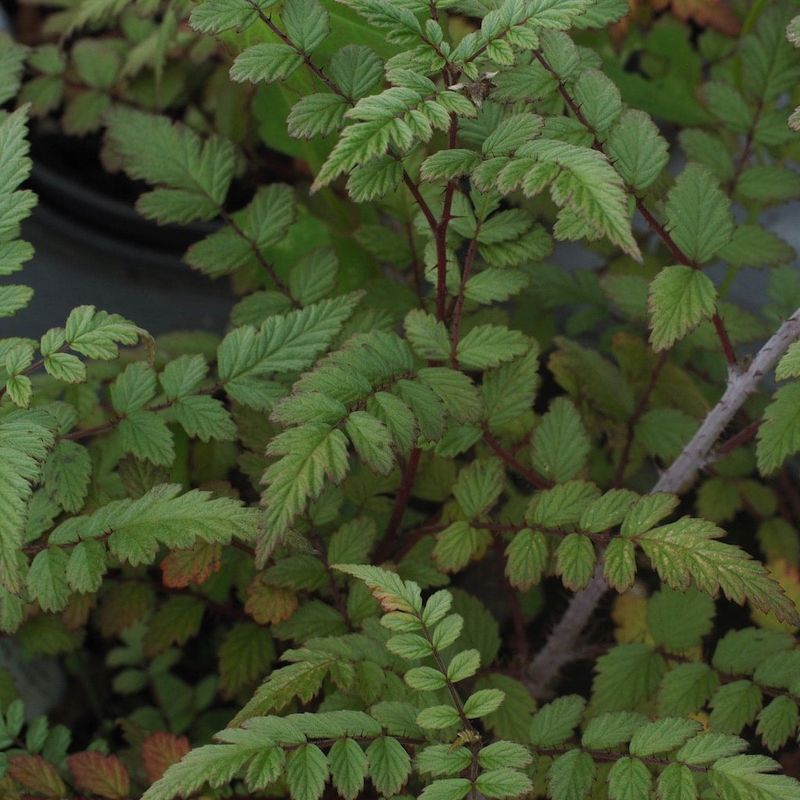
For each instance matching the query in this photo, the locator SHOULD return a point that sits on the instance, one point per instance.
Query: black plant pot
(92, 247)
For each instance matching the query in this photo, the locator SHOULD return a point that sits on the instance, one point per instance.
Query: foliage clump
(238, 546)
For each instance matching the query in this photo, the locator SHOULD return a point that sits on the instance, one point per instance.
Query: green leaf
(503, 782)
(463, 665)
(611, 729)
(193, 175)
(789, 365)
(436, 718)
(348, 765)
(244, 657)
(86, 567)
(779, 434)
(218, 16)
(372, 441)
(636, 149)
(688, 550)
(488, 346)
(571, 776)
(389, 765)
(686, 689)
(662, 736)
(751, 776)
(316, 115)
(555, 722)
(679, 299)
(65, 367)
(204, 418)
(679, 620)
(735, 705)
(777, 722)
(560, 444)
(306, 772)
(629, 779)
(268, 62)
(768, 184)
(67, 473)
(427, 335)
(504, 754)
(526, 558)
(698, 214)
(447, 789)
(307, 24)
(442, 760)
(449, 164)
(575, 560)
(619, 564)
(286, 343)
(676, 783)
(391, 591)
(483, 702)
(625, 677)
(146, 435)
(478, 487)
(47, 579)
(97, 334)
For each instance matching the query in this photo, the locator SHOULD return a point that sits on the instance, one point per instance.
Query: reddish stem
(532, 477)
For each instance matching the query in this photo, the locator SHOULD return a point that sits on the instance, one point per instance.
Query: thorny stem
(748, 146)
(441, 229)
(402, 497)
(458, 304)
(657, 228)
(532, 477)
(560, 645)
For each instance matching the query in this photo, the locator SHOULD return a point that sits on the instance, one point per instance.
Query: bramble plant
(237, 547)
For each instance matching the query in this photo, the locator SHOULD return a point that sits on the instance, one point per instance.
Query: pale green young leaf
(679, 299)
(375, 179)
(98, 334)
(779, 434)
(437, 718)
(442, 760)
(391, 591)
(752, 776)
(483, 702)
(789, 365)
(446, 789)
(599, 100)
(504, 754)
